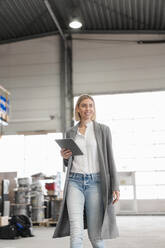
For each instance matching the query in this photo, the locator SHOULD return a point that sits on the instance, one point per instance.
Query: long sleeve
(65, 161)
(111, 162)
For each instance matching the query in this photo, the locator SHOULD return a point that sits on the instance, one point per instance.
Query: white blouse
(88, 162)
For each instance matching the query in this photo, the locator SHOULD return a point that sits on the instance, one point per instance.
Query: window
(29, 155)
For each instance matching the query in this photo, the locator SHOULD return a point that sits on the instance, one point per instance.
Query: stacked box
(4, 106)
(4, 220)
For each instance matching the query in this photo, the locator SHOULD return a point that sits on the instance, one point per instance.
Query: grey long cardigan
(109, 183)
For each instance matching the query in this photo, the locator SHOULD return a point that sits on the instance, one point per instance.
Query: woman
(91, 186)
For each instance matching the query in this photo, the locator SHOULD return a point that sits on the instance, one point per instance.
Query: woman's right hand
(65, 153)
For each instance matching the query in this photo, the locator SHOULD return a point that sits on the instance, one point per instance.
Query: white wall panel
(30, 71)
(119, 65)
(44, 81)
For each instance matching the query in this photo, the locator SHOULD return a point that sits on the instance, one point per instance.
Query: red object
(50, 186)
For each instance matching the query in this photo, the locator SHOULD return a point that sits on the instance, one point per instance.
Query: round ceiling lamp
(75, 24)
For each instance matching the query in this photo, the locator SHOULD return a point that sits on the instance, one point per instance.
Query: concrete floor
(135, 232)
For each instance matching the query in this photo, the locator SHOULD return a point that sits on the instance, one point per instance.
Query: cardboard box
(4, 220)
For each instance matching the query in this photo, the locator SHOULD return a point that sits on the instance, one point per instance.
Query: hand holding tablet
(65, 153)
(69, 144)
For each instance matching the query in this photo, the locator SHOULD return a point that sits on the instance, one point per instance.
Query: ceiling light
(75, 24)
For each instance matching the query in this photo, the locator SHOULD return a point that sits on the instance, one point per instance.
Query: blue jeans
(85, 190)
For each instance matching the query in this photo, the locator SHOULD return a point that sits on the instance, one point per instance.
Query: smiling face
(86, 109)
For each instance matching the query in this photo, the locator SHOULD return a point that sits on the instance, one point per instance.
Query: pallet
(42, 223)
(52, 222)
(46, 223)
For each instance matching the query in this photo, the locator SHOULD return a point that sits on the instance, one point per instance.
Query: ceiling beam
(54, 19)
(35, 36)
(110, 31)
(28, 37)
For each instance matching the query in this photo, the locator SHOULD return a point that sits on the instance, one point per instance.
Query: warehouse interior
(117, 55)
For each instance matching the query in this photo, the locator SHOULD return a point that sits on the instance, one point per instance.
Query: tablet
(69, 144)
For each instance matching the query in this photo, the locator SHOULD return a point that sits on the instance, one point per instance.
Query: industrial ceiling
(27, 19)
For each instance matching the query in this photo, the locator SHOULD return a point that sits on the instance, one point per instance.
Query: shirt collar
(89, 124)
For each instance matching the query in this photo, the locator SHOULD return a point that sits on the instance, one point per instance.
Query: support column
(66, 85)
(65, 73)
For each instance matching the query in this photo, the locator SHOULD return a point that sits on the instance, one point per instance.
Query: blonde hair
(80, 99)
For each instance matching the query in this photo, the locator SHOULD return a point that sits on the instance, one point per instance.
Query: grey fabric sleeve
(111, 162)
(65, 161)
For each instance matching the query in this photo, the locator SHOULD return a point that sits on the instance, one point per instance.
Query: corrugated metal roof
(22, 19)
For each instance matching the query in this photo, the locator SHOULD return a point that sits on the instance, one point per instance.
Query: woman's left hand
(116, 196)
